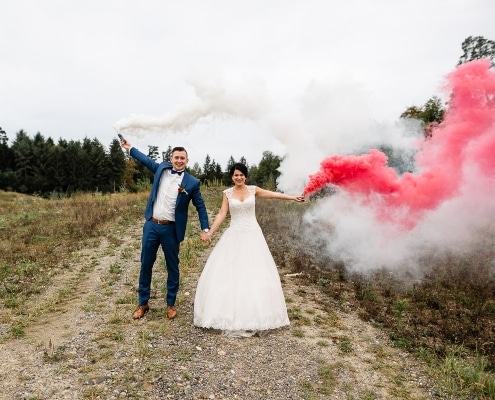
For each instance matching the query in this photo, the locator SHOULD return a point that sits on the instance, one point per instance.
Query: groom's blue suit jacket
(192, 193)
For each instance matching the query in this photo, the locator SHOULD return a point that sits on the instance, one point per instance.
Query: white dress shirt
(168, 190)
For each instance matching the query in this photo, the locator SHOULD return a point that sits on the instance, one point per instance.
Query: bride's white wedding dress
(239, 290)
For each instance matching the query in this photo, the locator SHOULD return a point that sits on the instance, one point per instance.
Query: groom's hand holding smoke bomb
(121, 138)
(124, 143)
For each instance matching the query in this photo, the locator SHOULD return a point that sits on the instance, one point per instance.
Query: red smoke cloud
(465, 138)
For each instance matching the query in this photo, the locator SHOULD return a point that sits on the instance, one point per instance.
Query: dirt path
(83, 343)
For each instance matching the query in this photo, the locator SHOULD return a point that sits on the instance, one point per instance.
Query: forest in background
(39, 166)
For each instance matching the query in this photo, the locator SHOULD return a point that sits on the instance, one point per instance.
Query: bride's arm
(224, 209)
(268, 194)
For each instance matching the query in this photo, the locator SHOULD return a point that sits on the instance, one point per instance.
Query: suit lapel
(158, 176)
(185, 179)
(184, 184)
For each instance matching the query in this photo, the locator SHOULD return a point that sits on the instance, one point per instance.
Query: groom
(166, 219)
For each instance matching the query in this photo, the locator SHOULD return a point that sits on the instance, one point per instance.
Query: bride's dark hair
(240, 167)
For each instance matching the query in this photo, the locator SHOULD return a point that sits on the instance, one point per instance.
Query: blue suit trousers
(155, 235)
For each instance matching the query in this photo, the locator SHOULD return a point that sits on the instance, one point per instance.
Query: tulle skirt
(239, 290)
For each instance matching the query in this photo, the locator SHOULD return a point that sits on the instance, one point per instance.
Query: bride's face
(238, 178)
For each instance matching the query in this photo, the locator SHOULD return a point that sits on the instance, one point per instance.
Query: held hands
(205, 236)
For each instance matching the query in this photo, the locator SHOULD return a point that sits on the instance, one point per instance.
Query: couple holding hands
(239, 290)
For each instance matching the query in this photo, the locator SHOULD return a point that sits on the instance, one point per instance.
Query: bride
(239, 290)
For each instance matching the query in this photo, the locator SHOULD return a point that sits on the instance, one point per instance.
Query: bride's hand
(205, 237)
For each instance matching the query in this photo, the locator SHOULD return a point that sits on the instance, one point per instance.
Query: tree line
(40, 166)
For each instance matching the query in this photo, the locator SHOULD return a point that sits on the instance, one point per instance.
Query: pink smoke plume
(464, 139)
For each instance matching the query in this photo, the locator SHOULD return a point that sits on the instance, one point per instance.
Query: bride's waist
(244, 225)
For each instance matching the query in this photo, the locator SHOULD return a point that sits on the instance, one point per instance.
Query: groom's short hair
(179, 148)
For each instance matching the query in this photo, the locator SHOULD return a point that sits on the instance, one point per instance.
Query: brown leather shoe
(140, 311)
(171, 312)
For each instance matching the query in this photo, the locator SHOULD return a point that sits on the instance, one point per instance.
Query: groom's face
(179, 160)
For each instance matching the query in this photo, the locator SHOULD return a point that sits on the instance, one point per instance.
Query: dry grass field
(447, 319)
(68, 271)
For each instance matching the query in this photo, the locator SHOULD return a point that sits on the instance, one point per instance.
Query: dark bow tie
(177, 172)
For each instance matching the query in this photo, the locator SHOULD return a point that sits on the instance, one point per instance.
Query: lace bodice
(242, 213)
